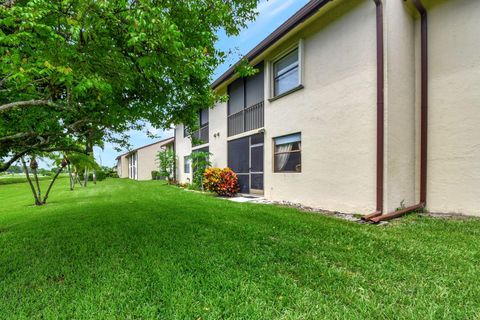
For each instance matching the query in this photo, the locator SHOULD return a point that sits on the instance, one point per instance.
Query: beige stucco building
(139, 163)
(361, 106)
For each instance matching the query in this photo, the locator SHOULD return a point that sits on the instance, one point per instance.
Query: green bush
(200, 162)
(155, 175)
(110, 172)
(101, 175)
(166, 160)
(112, 175)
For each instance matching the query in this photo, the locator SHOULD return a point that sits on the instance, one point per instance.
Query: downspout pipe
(423, 120)
(380, 112)
(424, 100)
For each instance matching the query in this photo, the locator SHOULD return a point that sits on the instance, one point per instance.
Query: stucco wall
(335, 113)
(122, 167)
(119, 167)
(183, 147)
(218, 127)
(454, 107)
(147, 161)
(400, 86)
(217, 141)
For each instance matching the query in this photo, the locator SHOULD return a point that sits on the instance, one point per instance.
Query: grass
(131, 250)
(12, 179)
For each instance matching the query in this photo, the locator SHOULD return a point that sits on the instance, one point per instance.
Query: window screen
(236, 97)
(186, 164)
(255, 87)
(286, 73)
(238, 155)
(203, 117)
(288, 153)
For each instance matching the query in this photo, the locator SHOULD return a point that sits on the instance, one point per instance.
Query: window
(186, 164)
(132, 166)
(245, 103)
(287, 153)
(286, 73)
(203, 118)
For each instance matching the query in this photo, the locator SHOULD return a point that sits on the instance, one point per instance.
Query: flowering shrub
(223, 182)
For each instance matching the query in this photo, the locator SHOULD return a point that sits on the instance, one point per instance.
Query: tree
(15, 169)
(200, 162)
(166, 163)
(79, 164)
(83, 72)
(37, 193)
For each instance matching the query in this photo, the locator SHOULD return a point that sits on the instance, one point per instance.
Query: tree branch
(4, 166)
(4, 79)
(28, 103)
(18, 136)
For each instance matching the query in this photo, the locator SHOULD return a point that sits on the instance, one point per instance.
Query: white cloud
(267, 15)
(280, 8)
(151, 129)
(273, 7)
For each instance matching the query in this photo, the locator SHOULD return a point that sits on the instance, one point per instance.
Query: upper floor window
(203, 117)
(245, 103)
(288, 153)
(286, 73)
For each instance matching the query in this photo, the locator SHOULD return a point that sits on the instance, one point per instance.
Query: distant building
(139, 163)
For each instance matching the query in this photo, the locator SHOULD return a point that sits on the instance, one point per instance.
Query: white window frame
(300, 45)
(133, 166)
(275, 153)
(187, 161)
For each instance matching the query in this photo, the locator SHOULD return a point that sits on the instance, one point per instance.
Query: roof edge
(162, 142)
(300, 16)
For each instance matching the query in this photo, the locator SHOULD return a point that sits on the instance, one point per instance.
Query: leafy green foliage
(80, 162)
(100, 175)
(15, 169)
(110, 172)
(200, 162)
(155, 175)
(85, 72)
(223, 182)
(166, 164)
(245, 69)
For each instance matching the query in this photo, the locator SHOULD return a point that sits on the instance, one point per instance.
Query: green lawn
(131, 250)
(21, 178)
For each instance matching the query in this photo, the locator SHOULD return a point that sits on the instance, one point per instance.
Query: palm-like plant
(80, 163)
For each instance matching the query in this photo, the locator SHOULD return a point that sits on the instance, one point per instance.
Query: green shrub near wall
(101, 175)
(155, 175)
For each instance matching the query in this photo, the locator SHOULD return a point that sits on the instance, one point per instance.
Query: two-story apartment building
(138, 164)
(358, 106)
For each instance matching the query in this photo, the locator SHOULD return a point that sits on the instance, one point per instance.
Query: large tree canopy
(84, 71)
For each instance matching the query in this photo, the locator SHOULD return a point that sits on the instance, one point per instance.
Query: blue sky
(271, 14)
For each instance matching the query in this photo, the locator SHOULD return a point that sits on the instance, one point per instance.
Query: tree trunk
(85, 177)
(94, 176)
(72, 182)
(25, 168)
(39, 192)
(51, 184)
